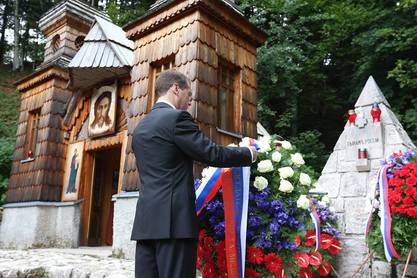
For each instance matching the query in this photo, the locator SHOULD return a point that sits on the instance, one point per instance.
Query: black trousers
(166, 258)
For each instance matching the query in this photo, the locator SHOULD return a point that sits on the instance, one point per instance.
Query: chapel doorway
(104, 186)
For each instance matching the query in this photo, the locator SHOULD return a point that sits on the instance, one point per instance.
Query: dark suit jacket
(165, 143)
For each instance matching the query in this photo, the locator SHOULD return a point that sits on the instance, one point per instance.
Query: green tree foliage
(9, 114)
(318, 56)
(122, 11)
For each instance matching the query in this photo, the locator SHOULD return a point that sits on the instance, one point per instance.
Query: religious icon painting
(73, 166)
(102, 118)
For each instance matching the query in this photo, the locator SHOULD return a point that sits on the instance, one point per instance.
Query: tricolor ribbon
(386, 214)
(382, 186)
(316, 221)
(235, 184)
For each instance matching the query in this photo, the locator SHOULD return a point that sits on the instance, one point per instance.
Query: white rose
(245, 142)
(316, 185)
(264, 144)
(286, 172)
(303, 202)
(205, 172)
(276, 156)
(285, 186)
(297, 159)
(325, 199)
(305, 179)
(260, 183)
(285, 144)
(265, 166)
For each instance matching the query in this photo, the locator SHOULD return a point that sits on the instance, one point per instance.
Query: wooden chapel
(78, 111)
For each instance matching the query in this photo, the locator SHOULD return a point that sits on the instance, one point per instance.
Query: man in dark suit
(165, 143)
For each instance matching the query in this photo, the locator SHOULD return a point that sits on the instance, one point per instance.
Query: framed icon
(102, 117)
(73, 166)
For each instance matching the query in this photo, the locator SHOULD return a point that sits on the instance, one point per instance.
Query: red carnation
(273, 262)
(208, 243)
(408, 201)
(410, 190)
(412, 212)
(303, 259)
(221, 249)
(324, 269)
(255, 255)
(325, 241)
(221, 256)
(200, 256)
(306, 273)
(315, 258)
(402, 173)
(412, 166)
(224, 274)
(335, 247)
(412, 180)
(199, 262)
(202, 234)
(208, 246)
(251, 273)
(208, 271)
(310, 238)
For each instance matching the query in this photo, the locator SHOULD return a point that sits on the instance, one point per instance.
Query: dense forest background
(317, 58)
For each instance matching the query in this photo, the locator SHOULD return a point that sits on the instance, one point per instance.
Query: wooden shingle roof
(106, 52)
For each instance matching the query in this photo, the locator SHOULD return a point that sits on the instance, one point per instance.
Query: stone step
(64, 263)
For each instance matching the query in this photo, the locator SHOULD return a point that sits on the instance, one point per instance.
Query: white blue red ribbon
(235, 184)
(386, 214)
(316, 221)
(208, 188)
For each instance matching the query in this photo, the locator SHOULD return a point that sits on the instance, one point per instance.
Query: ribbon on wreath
(235, 184)
(316, 221)
(382, 186)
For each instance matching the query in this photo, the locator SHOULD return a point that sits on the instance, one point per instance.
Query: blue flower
(254, 221)
(274, 227)
(219, 230)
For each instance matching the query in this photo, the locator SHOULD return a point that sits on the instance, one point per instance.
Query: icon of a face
(102, 109)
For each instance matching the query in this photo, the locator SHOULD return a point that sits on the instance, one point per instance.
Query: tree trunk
(5, 21)
(17, 63)
(25, 43)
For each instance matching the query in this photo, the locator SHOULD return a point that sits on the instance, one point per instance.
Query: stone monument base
(124, 214)
(40, 224)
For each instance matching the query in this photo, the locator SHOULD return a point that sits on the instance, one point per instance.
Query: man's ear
(176, 90)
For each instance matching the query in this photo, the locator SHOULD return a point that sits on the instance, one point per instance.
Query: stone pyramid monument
(371, 133)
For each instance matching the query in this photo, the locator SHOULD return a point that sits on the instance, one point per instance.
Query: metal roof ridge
(120, 57)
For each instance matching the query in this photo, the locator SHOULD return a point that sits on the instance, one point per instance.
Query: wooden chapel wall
(40, 179)
(197, 43)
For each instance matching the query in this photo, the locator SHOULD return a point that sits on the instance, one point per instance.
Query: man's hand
(254, 153)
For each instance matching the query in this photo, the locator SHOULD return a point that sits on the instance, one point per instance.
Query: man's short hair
(168, 78)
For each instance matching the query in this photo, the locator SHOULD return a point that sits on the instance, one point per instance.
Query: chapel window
(156, 69)
(32, 132)
(228, 100)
